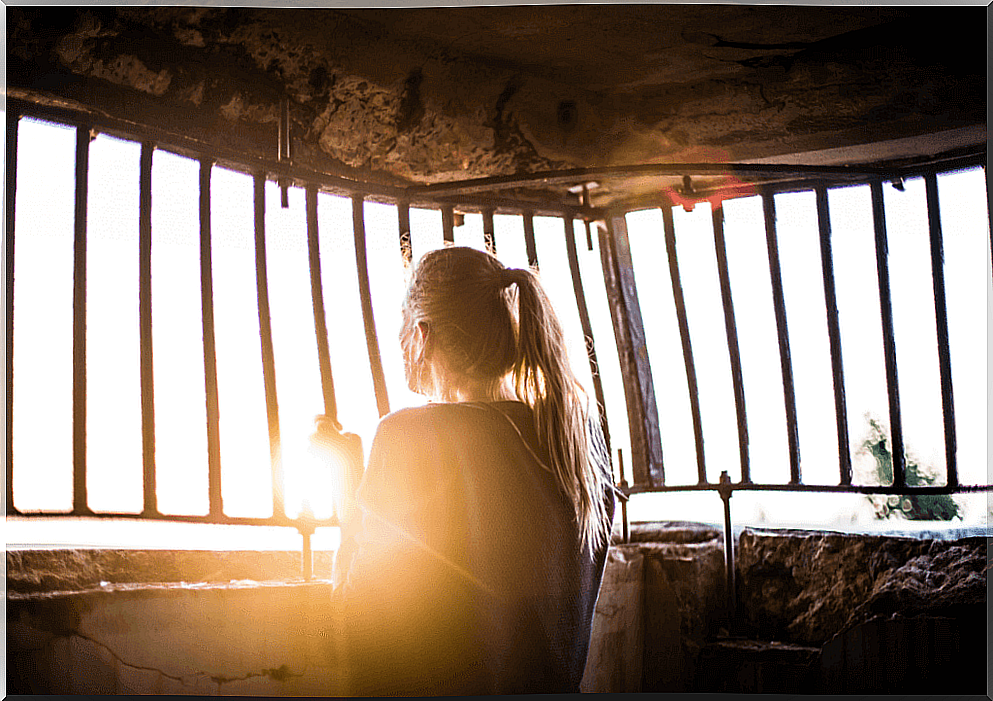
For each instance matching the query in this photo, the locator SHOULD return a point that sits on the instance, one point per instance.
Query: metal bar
(573, 175)
(362, 269)
(731, 331)
(403, 215)
(489, 238)
(320, 319)
(448, 224)
(283, 522)
(832, 488)
(786, 363)
(623, 484)
(209, 345)
(585, 196)
(79, 504)
(684, 336)
(10, 200)
(625, 312)
(889, 344)
(584, 320)
(268, 356)
(145, 330)
(941, 320)
(834, 336)
(529, 240)
(725, 490)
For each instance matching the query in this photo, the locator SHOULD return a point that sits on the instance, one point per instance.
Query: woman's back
(469, 576)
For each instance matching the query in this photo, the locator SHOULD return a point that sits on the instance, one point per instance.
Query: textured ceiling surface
(420, 96)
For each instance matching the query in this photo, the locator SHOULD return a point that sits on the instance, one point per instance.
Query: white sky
(43, 351)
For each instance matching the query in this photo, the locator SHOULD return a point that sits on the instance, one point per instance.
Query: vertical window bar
(889, 345)
(10, 190)
(145, 329)
(362, 268)
(834, 336)
(403, 215)
(684, 335)
(632, 350)
(529, 240)
(786, 363)
(448, 224)
(488, 236)
(941, 318)
(584, 320)
(209, 348)
(79, 505)
(731, 330)
(320, 320)
(268, 357)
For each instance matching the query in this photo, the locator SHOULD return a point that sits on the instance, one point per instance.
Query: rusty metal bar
(145, 330)
(786, 363)
(941, 319)
(889, 344)
(10, 199)
(585, 201)
(320, 319)
(684, 336)
(448, 224)
(79, 504)
(584, 320)
(268, 356)
(731, 330)
(488, 236)
(565, 177)
(725, 490)
(529, 240)
(834, 336)
(216, 504)
(362, 269)
(632, 350)
(403, 215)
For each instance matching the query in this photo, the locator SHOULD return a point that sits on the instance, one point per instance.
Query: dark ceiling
(434, 95)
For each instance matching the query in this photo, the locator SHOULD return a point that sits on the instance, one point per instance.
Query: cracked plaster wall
(248, 638)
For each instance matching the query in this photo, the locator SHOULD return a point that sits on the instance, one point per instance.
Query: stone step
(750, 666)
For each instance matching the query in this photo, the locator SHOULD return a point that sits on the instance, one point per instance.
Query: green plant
(915, 507)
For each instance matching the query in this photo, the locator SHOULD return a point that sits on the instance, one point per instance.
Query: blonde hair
(487, 332)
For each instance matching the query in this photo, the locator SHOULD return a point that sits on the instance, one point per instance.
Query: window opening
(187, 266)
(810, 358)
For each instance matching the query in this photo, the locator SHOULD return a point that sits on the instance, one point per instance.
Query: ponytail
(544, 380)
(467, 299)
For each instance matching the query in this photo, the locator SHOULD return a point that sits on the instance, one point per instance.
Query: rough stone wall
(825, 612)
(805, 587)
(410, 96)
(38, 571)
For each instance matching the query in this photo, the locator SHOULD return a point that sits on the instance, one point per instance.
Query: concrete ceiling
(434, 95)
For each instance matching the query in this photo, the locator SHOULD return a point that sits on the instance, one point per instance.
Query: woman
(483, 518)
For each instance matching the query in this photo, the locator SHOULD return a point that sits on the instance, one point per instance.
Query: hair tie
(509, 276)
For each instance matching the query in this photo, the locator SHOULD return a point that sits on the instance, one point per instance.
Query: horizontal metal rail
(833, 488)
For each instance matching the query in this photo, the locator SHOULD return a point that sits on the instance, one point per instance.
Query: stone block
(684, 600)
(613, 663)
(925, 654)
(752, 667)
(804, 587)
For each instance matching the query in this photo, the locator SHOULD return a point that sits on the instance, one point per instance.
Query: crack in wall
(119, 660)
